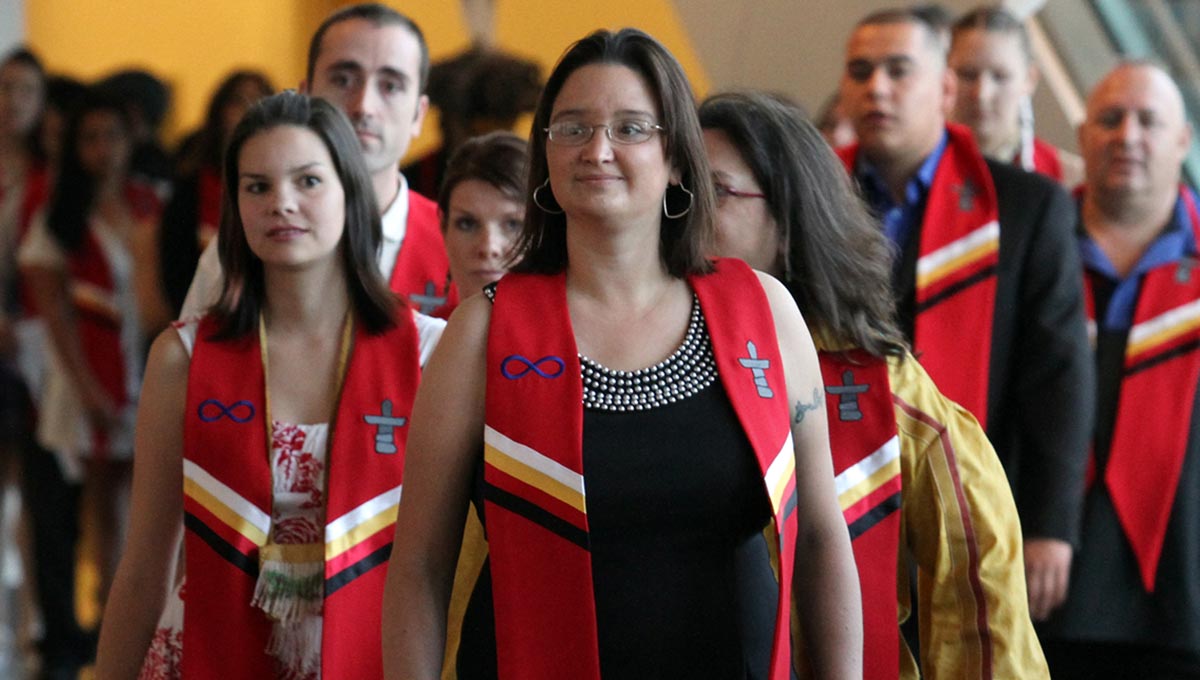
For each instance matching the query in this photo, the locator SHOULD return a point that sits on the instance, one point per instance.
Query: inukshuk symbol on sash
(758, 368)
(211, 410)
(847, 394)
(386, 422)
(429, 300)
(1183, 273)
(966, 196)
(525, 367)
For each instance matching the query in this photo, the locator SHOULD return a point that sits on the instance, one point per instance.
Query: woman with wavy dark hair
(273, 429)
(900, 449)
(650, 487)
(88, 260)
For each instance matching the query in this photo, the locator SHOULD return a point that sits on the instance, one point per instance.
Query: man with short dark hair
(1134, 604)
(372, 62)
(985, 280)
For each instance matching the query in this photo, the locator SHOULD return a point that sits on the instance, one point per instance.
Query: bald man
(985, 279)
(1133, 610)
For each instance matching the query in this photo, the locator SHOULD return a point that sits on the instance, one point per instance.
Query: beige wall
(193, 44)
(795, 47)
(791, 46)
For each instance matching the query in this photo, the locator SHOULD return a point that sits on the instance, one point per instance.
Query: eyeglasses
(723, 192)
(630, 131)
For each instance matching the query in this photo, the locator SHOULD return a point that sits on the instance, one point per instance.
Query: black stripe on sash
(790, 506)
(1173, 353)
(875, 516)
(957, 288)
(345, 576)
(220, 545)
(536, 514)
(96, 316)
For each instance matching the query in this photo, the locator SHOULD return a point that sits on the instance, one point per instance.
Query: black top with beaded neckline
(680, 568)
(689, 369)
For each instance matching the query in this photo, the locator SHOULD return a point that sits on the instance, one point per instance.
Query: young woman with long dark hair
(628, 417)
(273, 429)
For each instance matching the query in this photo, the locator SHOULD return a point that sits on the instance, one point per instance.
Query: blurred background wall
(790, 46)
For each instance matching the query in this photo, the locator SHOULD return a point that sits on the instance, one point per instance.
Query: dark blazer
(1040, 407)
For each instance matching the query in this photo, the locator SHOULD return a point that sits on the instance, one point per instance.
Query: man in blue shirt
(1134, 605)
(985, 279)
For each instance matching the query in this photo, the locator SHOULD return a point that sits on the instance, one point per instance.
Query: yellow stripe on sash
(95, 299)
(361, 523)
(959, 254)
(223, 502)
(781, 471)
(534, 469)
(859, 480)
(1163, 328)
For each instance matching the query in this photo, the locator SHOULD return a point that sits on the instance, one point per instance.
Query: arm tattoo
(801, 408)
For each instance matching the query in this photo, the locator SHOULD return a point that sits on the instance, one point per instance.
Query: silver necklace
(688, 370)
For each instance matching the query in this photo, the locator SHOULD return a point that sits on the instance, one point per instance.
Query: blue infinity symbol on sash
(526, 366)
(205, 411)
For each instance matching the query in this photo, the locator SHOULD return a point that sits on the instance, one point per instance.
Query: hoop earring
(545, 185)
(667, 211)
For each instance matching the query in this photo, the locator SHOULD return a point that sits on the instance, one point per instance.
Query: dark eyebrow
(345, 65)
(290, 171)
(620, 115)
(391, 72)
(889, 59)
(357, 68)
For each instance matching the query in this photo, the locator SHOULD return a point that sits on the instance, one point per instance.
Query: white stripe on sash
(1163, 322)
(363, 513)
(532, 459)
(951, 251)
(227, 496)
(853, 475)
(782, 469)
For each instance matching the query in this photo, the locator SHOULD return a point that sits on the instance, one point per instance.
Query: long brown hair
(683, 240)
(244, 291)
(837, 262)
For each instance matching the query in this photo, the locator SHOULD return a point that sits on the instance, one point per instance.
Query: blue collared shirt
(900, 220)
(1175, 242)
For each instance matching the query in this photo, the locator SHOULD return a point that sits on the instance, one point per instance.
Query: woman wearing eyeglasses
(647, 465)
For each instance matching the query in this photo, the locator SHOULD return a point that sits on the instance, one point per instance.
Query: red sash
(98, 319)
(209, 190)
(866, 460)
(1046, 160)
(98, 323)
(422, 270)
(959, 249)
(1154, 409)
(535, 502)
(37, 191)
(227, 502)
